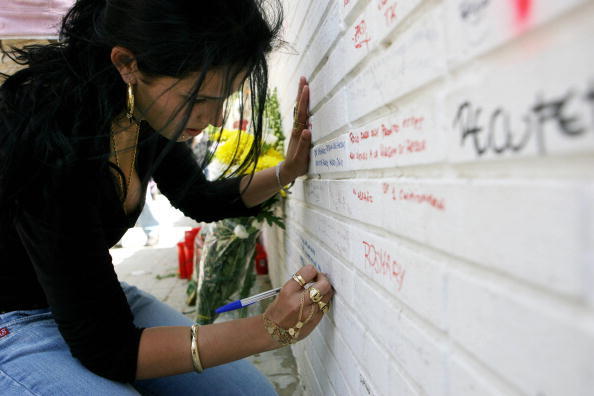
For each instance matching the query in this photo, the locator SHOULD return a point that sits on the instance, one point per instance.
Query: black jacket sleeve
(181, 180)
(64, 239)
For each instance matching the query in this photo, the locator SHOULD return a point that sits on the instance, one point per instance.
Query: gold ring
(299, 279)
(324, 307)
(295, 111)
(314, 294)
(298, 125)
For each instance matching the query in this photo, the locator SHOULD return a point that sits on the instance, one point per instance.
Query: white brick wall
(450, 196)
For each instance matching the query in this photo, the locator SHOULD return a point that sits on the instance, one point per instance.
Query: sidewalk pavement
(154, 269)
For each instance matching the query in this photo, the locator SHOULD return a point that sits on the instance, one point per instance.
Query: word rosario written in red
(381, 262)
(361, 35)
(389, 10)
(403, 195)
(363, 195)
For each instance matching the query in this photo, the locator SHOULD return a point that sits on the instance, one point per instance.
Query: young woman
(83, 127)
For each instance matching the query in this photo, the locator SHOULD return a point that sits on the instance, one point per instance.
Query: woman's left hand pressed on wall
(297, 158)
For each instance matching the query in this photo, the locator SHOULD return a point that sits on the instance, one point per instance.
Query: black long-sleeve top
(64, 262)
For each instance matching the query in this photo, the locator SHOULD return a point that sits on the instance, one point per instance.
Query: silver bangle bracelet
(278, 180)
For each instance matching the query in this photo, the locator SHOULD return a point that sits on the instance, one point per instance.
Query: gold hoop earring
(130, 104)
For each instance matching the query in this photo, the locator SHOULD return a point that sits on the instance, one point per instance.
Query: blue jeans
(35, 360)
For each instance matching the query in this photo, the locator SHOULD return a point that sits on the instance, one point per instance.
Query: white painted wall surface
(450, 196)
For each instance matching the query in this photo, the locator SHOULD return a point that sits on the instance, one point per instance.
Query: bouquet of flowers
(226, 264)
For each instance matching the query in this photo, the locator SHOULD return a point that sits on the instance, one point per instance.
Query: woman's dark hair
(58, 110)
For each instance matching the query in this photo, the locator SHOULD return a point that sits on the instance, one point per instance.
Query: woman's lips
(193, 132)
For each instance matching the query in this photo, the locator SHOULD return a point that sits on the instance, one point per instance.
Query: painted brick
(330, 117)
(315, 222)
(399, 271)
(405, 340)
(327, 334)
(477, 26)
(464, 207)
(309, 251)
(351, 326)
(466, 379)
(369, 29)
(319, 357)
(400, 385)
(309, 375)
(408, 136)
(348, 363)
(311, 22)
(327, 34)
(488, 118)
(415, 58)
(315, 192)
(385, 15)
(366, 387)
(461, 266)
(349, 7)
(377, 363)
(330, 156)
(341, 60)
(303, 40)
(538, 346)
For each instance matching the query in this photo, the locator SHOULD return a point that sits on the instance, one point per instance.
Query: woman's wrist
(285, 174)
(268, 342)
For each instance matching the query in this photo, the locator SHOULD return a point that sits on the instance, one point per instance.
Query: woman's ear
(125, 62)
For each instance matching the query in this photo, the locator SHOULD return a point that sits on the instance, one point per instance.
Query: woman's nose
(217, 119)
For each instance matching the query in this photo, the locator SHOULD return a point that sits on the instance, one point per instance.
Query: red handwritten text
(413, 122)
(363, 195)
(390, 151)
(388, 130)
(361, 35)
(381, 262)
(385, 130)
(403, 195)
(389, 10)
(415, 146)
(420, 198)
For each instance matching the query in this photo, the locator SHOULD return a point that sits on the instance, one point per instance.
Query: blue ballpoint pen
(244, 302)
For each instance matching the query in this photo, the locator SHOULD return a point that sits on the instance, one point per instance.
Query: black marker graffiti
(495, 132)
(472, 10)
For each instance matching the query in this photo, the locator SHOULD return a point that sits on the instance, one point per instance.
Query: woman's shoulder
(27, 104)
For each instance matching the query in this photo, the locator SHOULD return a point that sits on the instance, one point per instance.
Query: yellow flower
(216, 134)
(269, 159)
(234, 147)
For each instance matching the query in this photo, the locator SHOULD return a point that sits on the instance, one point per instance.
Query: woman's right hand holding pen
(166, 350)
(296, 311)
